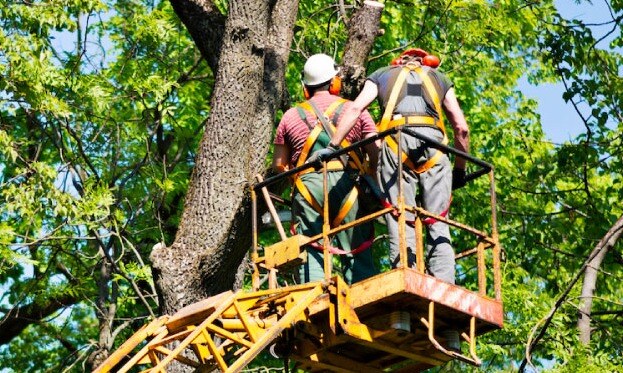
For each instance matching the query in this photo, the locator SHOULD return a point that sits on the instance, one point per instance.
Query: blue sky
(558, 118)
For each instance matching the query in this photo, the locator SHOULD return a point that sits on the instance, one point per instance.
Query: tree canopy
(106, 104)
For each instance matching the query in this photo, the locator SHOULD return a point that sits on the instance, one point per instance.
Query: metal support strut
(471, 339)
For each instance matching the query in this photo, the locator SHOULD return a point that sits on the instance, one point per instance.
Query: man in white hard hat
(304, 129)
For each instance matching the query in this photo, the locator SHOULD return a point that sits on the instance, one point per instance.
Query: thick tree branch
(206, 26)
(363, 28)
(604, 245)
(19, 318)
(590, 280)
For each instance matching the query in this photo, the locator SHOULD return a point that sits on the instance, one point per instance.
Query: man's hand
(322, 154)
(458, 178)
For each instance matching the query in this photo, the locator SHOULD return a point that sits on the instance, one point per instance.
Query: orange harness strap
(357, 163)
(334, 165)
(345, 208)
(313, 136)
(387, 122)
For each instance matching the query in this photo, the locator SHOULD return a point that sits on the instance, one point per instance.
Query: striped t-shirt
(293, 131)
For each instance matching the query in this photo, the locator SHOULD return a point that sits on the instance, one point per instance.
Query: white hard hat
(319, 69)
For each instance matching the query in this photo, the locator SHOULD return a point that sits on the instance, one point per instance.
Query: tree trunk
(590, 279)
(106, 312)
(363, 27)
(205, 24)
(214, 232)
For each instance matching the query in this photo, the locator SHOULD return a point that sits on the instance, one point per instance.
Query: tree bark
(590, 279)
(363, 27)
(214, 232)
(206, 26)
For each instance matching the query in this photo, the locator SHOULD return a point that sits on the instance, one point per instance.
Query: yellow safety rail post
(326, 227)
(255, 277)
(419, 244)
(402, 219)
(497, 275)
(482, 270)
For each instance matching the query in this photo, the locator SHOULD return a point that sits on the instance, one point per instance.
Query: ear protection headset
(334, 87)
(305, 91)
(426, 59)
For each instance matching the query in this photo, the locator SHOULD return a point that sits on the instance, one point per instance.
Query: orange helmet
(427, 59)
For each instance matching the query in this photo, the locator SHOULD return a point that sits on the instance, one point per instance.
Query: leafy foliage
(101, 107)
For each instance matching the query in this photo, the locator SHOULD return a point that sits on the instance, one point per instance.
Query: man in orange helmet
(413, 93)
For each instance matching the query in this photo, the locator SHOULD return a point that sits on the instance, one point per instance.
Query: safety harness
(321, 130)
(421, 120)
(387, 122)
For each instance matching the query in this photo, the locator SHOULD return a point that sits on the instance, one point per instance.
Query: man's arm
(281, 158)
(459, 126)
(353, 111)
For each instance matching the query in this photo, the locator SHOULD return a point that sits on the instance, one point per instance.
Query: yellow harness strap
(311, 139)
(354, 158)
(305, 193)
(346, 206)
(313, 136)
(334, 165)
(387, 122)
(393, 96)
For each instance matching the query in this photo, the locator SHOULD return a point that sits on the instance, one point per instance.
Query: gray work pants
(432, 189)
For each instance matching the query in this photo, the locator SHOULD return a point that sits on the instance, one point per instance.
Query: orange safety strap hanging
(336, 250)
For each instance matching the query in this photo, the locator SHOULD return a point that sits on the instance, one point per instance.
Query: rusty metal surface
(408, 288)
(455, 297)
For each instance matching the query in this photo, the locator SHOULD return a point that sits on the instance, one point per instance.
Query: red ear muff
(427, 59)
(336, 86)
(431, 61)
(306, 93)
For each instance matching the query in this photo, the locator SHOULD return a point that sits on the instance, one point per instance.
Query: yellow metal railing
(288, 251)
(227, 331)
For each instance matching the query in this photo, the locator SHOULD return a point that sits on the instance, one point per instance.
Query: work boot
(450, 340)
